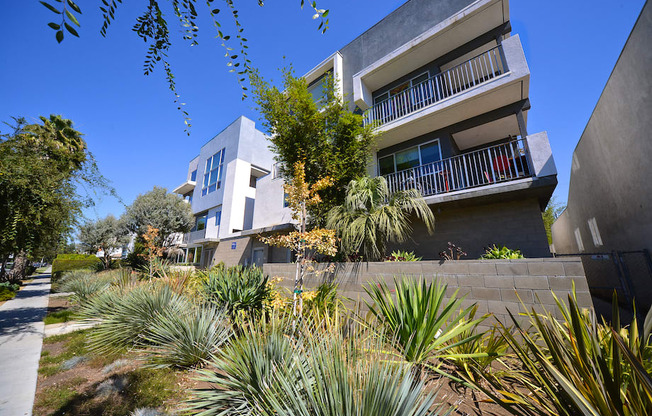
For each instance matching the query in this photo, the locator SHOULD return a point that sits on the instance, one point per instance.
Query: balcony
(491, 165)
(456, 80)
(194, 236)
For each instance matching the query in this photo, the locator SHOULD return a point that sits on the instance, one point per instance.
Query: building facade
(445, 84)
(610, 192)
(222, 187)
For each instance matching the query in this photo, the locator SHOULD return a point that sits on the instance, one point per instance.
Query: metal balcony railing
(499, 163)
(475, 71)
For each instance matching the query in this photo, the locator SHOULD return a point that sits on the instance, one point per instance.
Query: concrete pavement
(21, 339)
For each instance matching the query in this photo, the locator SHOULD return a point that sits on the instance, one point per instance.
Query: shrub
(239, 290)
(493, 252)
(417, 321)
(11, 286)
(187, 339)
(577, 366)
(323, 300)
(478, 354)
(402, 256)
(127, 316)
(6, 293)
(84, 284)
(68, 262)
(267, 373)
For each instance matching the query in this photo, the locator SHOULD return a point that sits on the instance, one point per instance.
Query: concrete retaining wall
(492, 284)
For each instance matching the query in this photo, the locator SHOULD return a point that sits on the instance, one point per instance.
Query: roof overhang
(185, 187)
(469, 23)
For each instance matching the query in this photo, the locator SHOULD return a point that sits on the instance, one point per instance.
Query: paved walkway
(21, 339)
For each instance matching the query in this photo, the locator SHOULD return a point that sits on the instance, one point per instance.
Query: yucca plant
(241, 291)
(83, 285)
(186, 339)
(243, 371)
(267, 373)
(419, 323)
(127, 316)
(577, 366)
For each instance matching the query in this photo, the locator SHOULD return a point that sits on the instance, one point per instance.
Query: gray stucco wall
(492, 284)
(402, 25)
(515, 224)
(611, 169)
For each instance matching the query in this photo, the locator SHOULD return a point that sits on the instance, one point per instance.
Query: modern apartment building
(445, 84)
(230, 201)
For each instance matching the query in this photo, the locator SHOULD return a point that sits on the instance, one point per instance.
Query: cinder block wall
(495, 285)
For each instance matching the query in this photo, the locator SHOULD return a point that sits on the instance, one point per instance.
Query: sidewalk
(21, 339)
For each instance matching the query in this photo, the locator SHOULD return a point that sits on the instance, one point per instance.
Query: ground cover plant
(417, 352)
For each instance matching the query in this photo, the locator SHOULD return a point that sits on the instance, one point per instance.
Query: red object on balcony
(501, 164)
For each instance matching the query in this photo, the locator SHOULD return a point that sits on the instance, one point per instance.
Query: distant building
(235, 194)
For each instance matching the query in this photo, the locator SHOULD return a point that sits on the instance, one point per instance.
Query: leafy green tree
(371, 217)
(41, 166)
(326, 136)
(153, 27)
(552, 212)
(166, 212)
(106, 235)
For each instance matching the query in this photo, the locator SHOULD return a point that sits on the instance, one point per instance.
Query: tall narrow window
(218, 218)
(193, 175)
(213, 173)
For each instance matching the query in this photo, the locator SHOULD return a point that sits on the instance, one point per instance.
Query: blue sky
(137, 136)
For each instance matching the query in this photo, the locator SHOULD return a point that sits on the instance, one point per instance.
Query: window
(405, 159)
(252, 181)
(419, 93)
(595, 232)
(316, 88)
(218, 218)
(285, 200)
(578, 239)
(276, 170)
(213, 173)
(193, 175)
(200, 222)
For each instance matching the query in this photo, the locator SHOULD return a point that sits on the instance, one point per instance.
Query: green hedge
(67, 262)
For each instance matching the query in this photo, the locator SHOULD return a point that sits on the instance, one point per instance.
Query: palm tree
(371, 217)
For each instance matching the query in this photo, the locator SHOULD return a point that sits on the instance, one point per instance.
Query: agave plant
(419, 323)
(493, 252)
(126, 317)
(577, 366)
(186, 339)
(239, 290)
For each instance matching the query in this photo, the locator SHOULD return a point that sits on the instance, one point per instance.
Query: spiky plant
(419, 323)
(187, 339)
(577, 366)
(316, 373)
(83, 284)
(127, 316)
(243, 371)
(241, 291)
(372, 216)
(483, 351)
